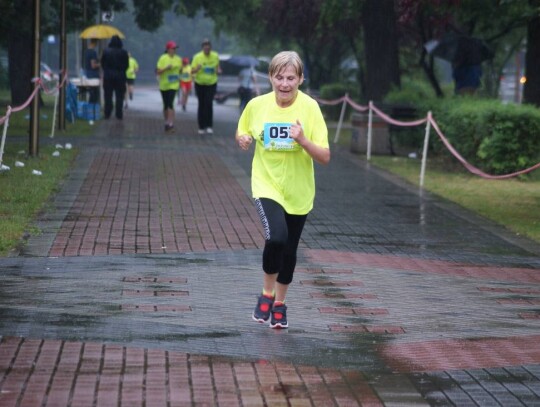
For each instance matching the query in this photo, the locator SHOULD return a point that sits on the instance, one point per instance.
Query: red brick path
(58, 373)
(462, 354)
(137, 201)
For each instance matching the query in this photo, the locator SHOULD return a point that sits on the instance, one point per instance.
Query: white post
(341, 116)
(424, 151)
(369, 132)
(54, 114)
(4, 133)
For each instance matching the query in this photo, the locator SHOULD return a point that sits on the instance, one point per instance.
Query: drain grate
(150, 293)
(375, 329)
(163, 280)
(155, 308)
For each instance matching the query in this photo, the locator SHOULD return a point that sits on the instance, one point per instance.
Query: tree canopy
(327, 33)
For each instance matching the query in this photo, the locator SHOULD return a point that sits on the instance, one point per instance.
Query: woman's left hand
(297, 132)
(319, 154)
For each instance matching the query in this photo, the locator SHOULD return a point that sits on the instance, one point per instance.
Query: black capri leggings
(282, 234)
(168, 99)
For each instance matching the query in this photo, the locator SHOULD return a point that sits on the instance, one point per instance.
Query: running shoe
(201, 131)
(278, 319)
(262, 310)
(209, 130)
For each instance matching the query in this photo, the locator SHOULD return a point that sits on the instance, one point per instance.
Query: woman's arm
(160, 71)
(320, 154)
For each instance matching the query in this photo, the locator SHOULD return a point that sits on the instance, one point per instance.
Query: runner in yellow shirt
(131, 74)
(186, 80)
(168, 71)
(205, 69)
(290, 133)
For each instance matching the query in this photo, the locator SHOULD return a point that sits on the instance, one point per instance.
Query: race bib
(173, 78)
(209, 70)
(276, 137)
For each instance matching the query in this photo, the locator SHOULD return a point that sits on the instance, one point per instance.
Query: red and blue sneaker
(262, 310)
(278, 319)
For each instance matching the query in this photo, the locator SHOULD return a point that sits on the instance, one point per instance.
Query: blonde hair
(284, 59)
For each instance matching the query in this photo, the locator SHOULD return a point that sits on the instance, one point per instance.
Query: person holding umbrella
(248, 83)
(168, 70)
(466, 65)
(466, 55)
(114, 62)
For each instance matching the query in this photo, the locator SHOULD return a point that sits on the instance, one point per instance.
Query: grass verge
(22, 194)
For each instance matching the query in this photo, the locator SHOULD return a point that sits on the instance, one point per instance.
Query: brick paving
(157, 202)
(140, 288)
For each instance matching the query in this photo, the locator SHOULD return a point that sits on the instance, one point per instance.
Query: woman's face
(285, 85)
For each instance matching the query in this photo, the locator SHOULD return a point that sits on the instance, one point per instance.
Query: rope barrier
(38, 84)
(332, 102)
(471, 168)
(428, 120)
(388, 119)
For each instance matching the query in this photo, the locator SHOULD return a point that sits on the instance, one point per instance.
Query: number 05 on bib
(277, 137)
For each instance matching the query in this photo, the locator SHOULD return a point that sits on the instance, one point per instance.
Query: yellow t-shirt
(170, 79)
(185, 74)
(132, 67)
(207, 75)
(286, 177)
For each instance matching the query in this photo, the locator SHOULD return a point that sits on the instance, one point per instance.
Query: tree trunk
(430, 73)
(381, 48)
(531, 90)
(20, 46)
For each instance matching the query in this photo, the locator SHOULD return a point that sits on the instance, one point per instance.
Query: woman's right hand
(244, 141)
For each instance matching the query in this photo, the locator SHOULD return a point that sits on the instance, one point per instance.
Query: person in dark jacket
(114, 63)
(91, 68)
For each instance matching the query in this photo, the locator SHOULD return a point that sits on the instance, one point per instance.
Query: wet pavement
(140, 288)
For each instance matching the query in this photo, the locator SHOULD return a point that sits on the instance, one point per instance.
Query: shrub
(497, 138)
(414, 93)
(410, 102)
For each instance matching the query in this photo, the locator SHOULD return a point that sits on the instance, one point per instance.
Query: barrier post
(424, 151)
(54, 113)
(369, 132)
(4, 133)
(341, 116)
